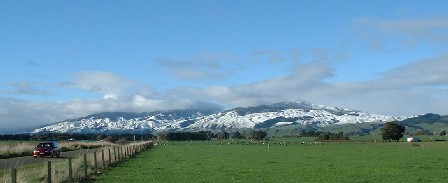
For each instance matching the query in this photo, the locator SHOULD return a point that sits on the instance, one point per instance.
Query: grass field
(293, 162)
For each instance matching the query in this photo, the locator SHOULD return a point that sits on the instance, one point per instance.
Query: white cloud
(416, 88)
(425, 72)
(144, 103)
(268, 55)
(110, 96)
(24, 114)
(410, 32)
(24, 87)
(421, 27)
(197, 74)
(27, 88)
(200, 68)
(106, 83)
(304, 78)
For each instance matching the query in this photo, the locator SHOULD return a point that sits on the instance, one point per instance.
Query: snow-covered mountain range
(264, 116)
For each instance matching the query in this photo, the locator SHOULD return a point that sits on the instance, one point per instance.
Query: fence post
(49, 172)
(95, 163)
(115, 155)
(110, 158)
(70, 170)
(13, 175)
(123, 150)
(118, 153)
(102, 159)
(85, 165)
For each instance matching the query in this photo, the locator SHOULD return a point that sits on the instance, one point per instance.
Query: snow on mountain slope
(298, 116)
(264, 116)
(158, 122)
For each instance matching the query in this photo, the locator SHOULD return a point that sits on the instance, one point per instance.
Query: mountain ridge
(257, 117)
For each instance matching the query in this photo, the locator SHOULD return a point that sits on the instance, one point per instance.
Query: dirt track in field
(28, 160)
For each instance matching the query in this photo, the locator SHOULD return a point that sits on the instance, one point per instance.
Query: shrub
(122, 141)
(64, 149)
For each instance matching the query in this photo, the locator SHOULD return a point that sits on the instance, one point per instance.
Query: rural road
(27, 160)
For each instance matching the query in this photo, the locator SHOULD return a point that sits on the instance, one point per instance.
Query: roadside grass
(11, 149)
(230, 161)
(38, 172)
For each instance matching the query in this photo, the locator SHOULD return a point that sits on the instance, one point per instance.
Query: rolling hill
(279, 116)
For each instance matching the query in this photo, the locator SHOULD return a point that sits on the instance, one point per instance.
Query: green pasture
(286, 161)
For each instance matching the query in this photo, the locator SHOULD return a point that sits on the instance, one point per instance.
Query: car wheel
(52, 154)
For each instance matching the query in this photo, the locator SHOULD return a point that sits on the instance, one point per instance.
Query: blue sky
(67, 59)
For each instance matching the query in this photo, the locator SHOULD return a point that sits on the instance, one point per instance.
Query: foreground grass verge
(12, 149)
(84, 166)
(327, 162)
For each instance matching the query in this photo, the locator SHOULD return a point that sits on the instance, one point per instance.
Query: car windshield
(45, 145)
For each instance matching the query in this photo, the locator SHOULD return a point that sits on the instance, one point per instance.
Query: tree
(257, 135)
(108, 139)
(332, 136)
(442, 133)
(99, 137)
(237, 135)
(324, 136)
(222, 135)
(392, 131)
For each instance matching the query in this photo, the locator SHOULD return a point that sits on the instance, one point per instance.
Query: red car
(47, 149)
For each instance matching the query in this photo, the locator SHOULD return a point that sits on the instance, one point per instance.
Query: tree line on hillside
(77, 136)
(324, 135)
(208, 135)
(182, 136)
(390, 131)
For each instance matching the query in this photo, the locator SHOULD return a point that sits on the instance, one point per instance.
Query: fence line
(77, 169)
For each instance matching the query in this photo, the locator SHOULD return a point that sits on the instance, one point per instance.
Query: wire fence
(75, 169)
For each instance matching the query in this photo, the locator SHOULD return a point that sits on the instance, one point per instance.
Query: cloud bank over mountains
(416, 88)
(405, 60)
